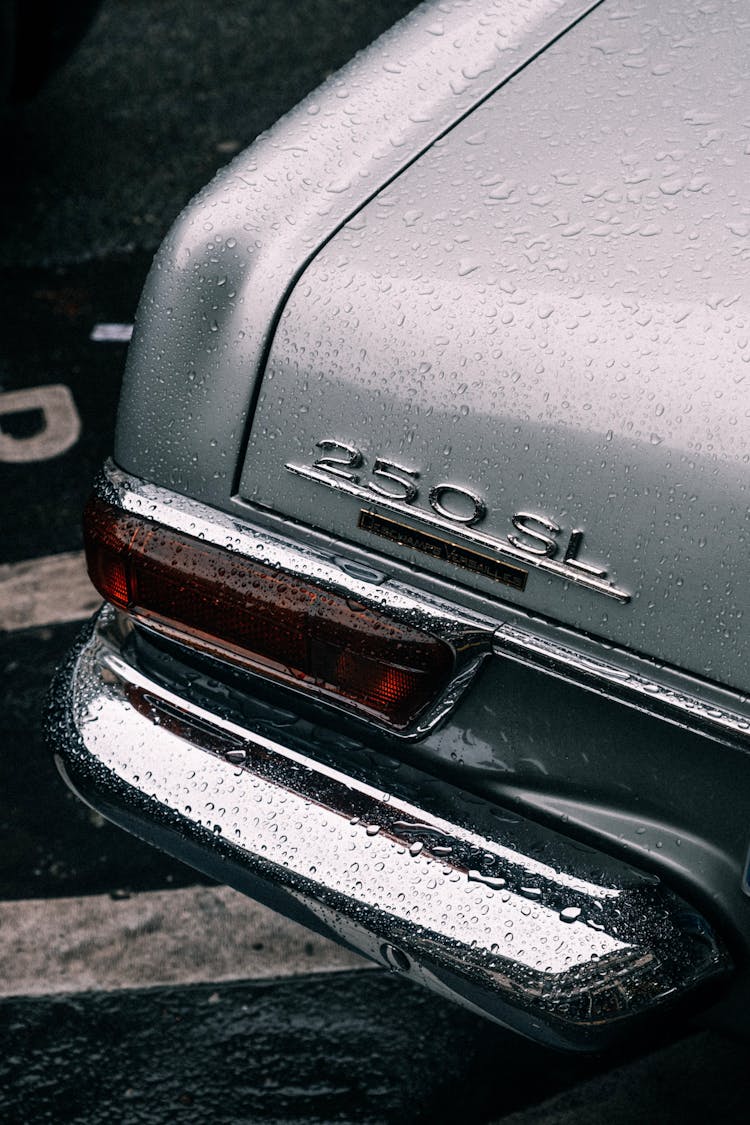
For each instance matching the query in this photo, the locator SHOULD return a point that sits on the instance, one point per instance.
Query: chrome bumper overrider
(563, 944)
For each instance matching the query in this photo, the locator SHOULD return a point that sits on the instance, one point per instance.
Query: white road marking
(111, 333)
(177, 937)
(46, 591)
(60, 429)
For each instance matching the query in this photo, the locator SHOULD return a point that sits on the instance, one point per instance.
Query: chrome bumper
(564, 945)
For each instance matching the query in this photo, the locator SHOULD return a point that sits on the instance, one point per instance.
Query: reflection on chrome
(558, 942)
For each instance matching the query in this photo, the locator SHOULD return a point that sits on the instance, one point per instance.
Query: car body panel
(551, 309)
(221, 277)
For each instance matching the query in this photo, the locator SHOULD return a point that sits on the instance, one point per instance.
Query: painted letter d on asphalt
(59, 428)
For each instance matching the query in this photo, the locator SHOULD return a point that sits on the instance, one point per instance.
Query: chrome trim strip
(462, 531)
(629, 683)
(507, 917)
(667, 693)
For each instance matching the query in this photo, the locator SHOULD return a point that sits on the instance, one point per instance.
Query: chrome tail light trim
(467, 634)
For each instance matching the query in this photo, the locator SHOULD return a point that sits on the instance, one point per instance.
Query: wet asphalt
(160, 95)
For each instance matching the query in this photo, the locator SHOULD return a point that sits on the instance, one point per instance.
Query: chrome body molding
(662, 692)
(563, 944)
(504, 631)
(588, 579)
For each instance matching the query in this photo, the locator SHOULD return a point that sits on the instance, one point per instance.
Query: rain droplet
(570, 913)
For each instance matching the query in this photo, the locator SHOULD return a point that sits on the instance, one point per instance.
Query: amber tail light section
(264, 619)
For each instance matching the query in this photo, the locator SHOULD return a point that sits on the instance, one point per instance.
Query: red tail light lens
(262, 618)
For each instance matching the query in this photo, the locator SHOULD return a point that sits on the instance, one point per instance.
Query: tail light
(262, 618)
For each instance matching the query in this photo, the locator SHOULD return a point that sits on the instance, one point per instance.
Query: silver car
(424, 542)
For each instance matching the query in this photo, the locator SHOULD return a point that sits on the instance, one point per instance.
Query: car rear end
(423, 546)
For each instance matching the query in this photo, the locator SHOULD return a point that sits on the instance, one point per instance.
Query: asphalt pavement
(131, 988)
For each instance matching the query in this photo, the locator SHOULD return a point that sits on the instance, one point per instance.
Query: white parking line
(111, 333)
(46, 591)
(177, 937)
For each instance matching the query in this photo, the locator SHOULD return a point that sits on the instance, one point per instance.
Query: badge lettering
(536, 539)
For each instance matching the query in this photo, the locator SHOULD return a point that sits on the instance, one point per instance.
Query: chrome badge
(537, 540)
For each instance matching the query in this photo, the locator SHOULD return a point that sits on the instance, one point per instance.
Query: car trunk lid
(523, 366)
